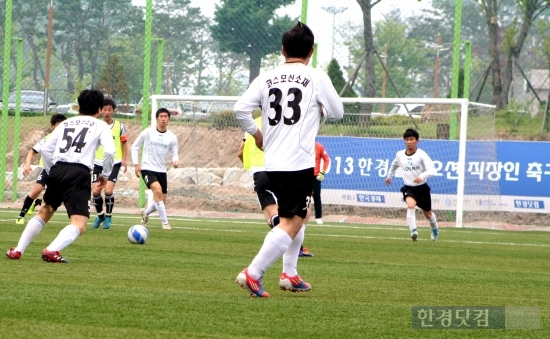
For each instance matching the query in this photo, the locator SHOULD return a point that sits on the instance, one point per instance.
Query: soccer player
(253, 161)
(74, 142)
(320, 153)
(291, 97)
(121, 150)
(417, 168)
(28, 206)
(157, 143)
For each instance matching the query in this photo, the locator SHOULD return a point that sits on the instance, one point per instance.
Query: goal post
(361, 147)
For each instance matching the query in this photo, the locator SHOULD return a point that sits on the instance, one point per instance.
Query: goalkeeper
(319, 175)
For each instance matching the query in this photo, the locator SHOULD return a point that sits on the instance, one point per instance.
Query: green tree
(113, 80)
(337, 77)
(251, 27)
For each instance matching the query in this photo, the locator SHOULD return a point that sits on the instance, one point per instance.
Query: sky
(321, 21)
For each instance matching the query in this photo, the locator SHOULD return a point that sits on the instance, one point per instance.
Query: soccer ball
(138, 234)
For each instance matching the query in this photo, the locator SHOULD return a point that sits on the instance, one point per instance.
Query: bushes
(226, 119)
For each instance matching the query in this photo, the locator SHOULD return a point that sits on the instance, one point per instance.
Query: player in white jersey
(417, 168)
(292, 97)
(157, 144)
(121, 149)
(40, 185)
(74, 142)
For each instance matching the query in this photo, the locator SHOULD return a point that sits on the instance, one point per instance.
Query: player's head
(163, 116)
(109, 107)
(56, 119)
(411, 138)
(298, 42)
(161, 111)
(90, 101)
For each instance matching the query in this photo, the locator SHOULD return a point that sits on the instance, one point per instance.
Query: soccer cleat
(166, 226)
(319, 221)
(253, 286)
(293, 284)
(435, 233)
(97, 222)
(31, 210)
(53, 256)
(414, 236)
(13, 254)
(144, 219)
(305, 253)
(20, 221)
(107, 223)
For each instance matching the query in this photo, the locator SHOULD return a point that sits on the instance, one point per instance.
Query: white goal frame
(463, 103)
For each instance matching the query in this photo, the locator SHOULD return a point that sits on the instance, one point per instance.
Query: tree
(370, 75)
(113, 80)
(337, 77)
(515, 38)
(251, 27)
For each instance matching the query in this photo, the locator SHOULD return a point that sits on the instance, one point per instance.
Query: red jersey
(320, 153)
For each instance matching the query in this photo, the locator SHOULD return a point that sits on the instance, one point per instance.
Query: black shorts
(114, 173)
(421, 194)
(70, 184)
(150, 177)
(263, 189)
(42, 177)
(293, 191)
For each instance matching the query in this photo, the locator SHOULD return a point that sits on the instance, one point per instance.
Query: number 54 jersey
(292, 98)
(76, 140)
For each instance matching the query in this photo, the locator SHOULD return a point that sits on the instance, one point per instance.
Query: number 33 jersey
(292, 98)
(76, 140)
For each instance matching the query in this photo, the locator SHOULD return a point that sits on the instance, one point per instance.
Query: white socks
(433, 221)
(66, 237)
(151, 208)
(411, 219)
(290, 258)
(162, 211)
(33, 228)
(276, 243)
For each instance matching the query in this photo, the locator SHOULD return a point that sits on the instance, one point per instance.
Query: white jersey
(156, 146)
(37, 148)
(418, 164)
(76, 140)
(291, 97)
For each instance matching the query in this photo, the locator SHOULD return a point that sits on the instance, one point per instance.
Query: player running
(291, 97)
(157, 144)
(417, 168)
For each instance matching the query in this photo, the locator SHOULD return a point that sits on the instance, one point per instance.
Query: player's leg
(411, 216)
(29, 202)
(97, 198)
(304, 252)
(317, 201)
(109, 197)
(76, 189)
(425, 203)
(266, 198)
(53, 200)
(161, 203)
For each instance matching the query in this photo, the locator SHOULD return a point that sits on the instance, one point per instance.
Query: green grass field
(180, 284)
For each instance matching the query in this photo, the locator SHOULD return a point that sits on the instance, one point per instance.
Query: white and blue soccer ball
(138, 234)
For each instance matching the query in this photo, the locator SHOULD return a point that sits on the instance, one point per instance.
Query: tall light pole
(334, 11)
(438, 47)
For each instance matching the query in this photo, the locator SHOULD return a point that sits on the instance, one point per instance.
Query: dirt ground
(203, 147)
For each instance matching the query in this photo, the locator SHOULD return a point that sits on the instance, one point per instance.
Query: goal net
(458, 135)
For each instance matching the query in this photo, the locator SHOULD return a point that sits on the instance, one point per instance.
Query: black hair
(57, 118)
(109, 102)
(90, 101)
(411, 132)
(298, 41)
(162, 110)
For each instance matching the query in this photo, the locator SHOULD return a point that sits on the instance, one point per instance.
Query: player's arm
(394, 166)
(49, 146)
(28, 161)
(333, 108)
(135, 151)
(124, 145)
(106, 140)
(240, 151)
(174, 153)
(429, 167)
(249, 101)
